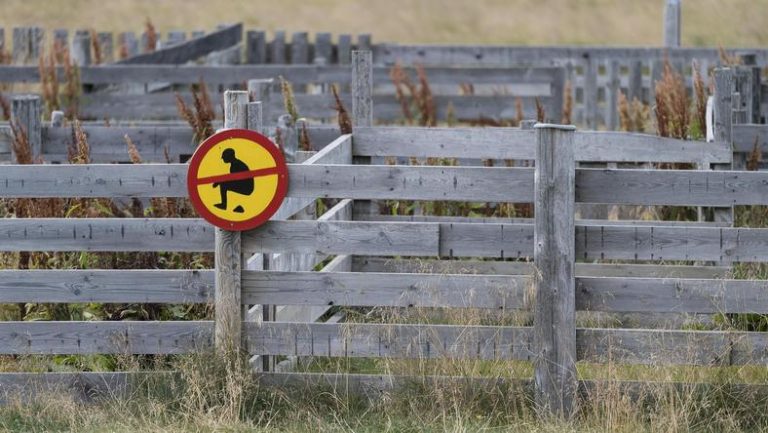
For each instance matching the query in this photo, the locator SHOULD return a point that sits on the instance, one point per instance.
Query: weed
(201, 115)
(345, 123)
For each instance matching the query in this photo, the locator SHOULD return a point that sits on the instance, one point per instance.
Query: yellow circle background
(255, 157)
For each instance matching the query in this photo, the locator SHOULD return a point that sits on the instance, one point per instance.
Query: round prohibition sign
(237, 179)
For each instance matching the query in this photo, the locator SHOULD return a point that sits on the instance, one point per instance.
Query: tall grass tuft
(414, 97)
(632, 116)
(122, 48)
(151, 43)
(49, 81)
(345, 122)
(5, 107)
(567, 103)
(701, 94)
(519, 113)
(672, 105)
(726, 58)
(98, 56)
(201, 115)
(541, 114)
(289, 100)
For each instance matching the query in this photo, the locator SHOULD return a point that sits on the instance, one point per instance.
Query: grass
(620, 22)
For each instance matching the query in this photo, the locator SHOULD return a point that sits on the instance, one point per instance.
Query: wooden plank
(26, 116)
(190, 50)
(668, 295)
(482, 267)
(125, 337)
(343, 237)
(385, 289)
(296, 74)
(653, 347)
(411, 183)
(513, 143)
(94, 180)
(362, 88)
(83, 286)
(397, 341)
(672, 18)
(745, 136)
(105, 234)
(554, 323)
(306, 181)
(726, 245)
(671, 187)
(485, 240)
(497, 220)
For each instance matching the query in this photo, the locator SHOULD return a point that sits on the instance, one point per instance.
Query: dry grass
(620, 22)
(673, 115)
(289, 101)
(201, 115)
(414, 97)
(152, 36)
(633, 116)
(567, 103)
(342, 115)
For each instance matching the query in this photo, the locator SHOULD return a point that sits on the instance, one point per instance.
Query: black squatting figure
(243, 186)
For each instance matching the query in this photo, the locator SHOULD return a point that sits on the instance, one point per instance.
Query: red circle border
(274, 204)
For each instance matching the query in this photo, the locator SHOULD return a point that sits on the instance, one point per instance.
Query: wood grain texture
(362, 88)
(671, 295)
(554, 322)
(126, 337)
(106, 234)
(130, 286)
(671, 187)
(482, 267)
(397, 341)
(385, 289)
(343, 237)
(513, 143)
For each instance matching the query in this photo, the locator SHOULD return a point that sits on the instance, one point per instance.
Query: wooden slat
(343, 237)
(513, 143)
(660, 347)
(655, 347)
(412, 183)
(81, 286)
(385, 238)
(384, 264)
(105, 234)
(94, 180)
(399, 341)
(662, 295)
(385, 289)
(671, 187)
(296, 74)
(306, 180)
(126, 337)
(724, 245)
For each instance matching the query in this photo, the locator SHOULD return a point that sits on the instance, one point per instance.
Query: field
(738, 23)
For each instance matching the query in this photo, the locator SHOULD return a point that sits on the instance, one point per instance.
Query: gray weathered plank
(105, 234)
(671, 187)
(76, 286)
(399, 341)
(383, 264)
(663, 295)
(343, 237)
(126, 337)
(513, 143)
(385, 289)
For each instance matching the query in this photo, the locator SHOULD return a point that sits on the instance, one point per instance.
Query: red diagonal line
(237, 176)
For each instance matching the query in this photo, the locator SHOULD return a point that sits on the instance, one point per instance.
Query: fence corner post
(227, 300)
(554, 343)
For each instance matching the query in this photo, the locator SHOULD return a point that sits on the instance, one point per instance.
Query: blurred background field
(742, 23)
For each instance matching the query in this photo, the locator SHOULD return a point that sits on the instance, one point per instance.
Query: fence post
(26, 115)
(612, 96)
(723, 128)
(227, 300)
(81, 48)
(752, 87)
(672, 24)
(590, 92)
(277, 48)
(362, 113)
(260, 89)
(554, 256)
(255, 47)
